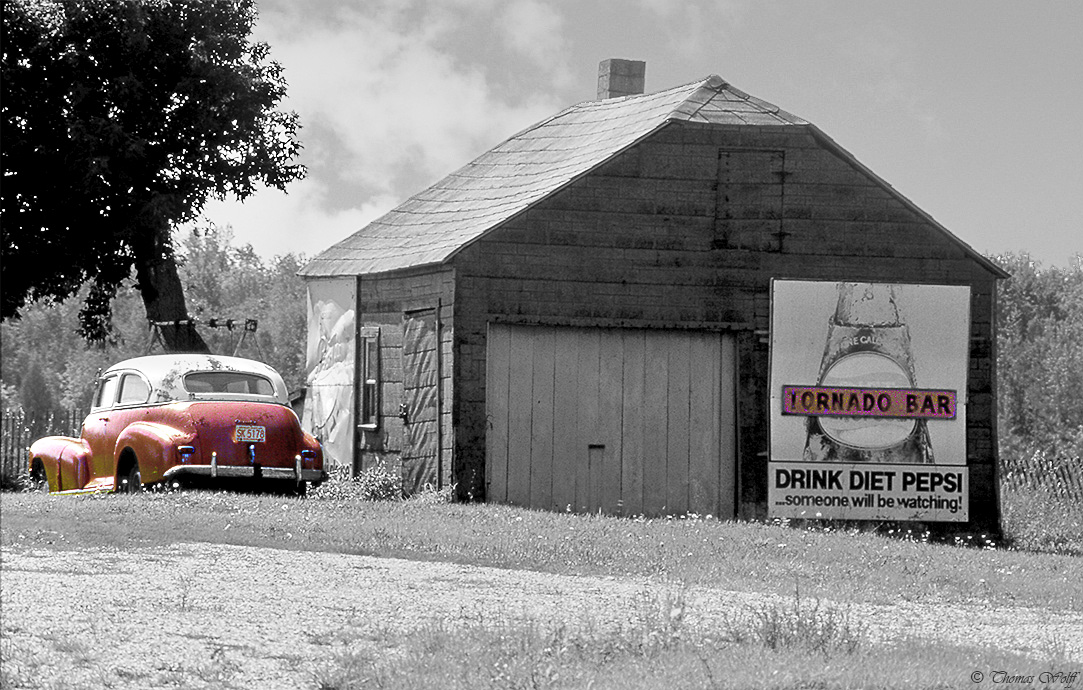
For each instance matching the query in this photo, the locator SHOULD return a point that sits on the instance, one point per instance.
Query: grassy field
(801, 643)
(499, 657)
(843, 565)
(1040, 520)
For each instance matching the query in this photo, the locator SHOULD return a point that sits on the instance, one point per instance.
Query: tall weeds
(800, 624)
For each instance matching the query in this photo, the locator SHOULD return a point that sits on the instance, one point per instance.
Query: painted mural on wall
(868, 401)
(329, 380)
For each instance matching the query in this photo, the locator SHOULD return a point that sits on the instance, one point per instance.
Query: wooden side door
(420, 409)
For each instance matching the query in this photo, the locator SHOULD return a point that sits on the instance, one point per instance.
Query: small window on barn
(369, 356)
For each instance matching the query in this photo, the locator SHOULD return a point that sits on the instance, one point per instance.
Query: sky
(968, 108)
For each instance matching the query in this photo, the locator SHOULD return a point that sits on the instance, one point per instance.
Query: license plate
(248, 433)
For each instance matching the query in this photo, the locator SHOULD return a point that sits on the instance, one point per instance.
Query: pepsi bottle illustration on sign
(868, 346)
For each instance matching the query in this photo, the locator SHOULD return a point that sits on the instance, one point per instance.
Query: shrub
(12, 481)
(377, 483)
(430, 495)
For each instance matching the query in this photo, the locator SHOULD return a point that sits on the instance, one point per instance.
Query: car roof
(165, 373)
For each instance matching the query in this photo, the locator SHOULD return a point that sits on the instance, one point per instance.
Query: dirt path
(215, 615)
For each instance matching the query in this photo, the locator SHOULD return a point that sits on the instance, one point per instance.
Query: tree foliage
(223, 281)
(1040, 357)
(121, 118)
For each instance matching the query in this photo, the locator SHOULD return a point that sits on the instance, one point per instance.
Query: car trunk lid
(245, 433)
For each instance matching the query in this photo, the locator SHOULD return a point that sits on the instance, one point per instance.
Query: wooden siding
(623, 421)
(685, 230)
(385, 302)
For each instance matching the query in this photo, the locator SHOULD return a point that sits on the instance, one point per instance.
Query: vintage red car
(164, 418)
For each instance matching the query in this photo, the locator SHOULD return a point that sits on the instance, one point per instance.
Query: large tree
(121, 118)
(1040, 356)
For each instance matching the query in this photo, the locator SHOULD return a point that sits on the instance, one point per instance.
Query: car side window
(107, 392)
(133, 390)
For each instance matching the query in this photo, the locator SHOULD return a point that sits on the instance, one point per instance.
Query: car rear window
(227, 382)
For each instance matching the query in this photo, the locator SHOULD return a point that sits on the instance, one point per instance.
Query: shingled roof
(429, 227)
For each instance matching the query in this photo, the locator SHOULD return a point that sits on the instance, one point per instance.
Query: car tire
(39, 481)
(132, 482)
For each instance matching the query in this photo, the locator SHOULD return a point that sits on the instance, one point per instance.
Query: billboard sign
(868, 401)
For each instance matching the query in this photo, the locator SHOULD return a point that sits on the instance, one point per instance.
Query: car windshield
(230, 382)
(107, 392)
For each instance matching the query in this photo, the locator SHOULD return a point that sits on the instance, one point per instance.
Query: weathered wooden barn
(580, 318)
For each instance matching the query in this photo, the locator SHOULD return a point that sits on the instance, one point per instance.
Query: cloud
(398, 107)
(534, 30)
(882, 62)
(391, 97)
(300, 222)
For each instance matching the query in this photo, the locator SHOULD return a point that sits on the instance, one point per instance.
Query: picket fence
(1038, 472)
(18, 430)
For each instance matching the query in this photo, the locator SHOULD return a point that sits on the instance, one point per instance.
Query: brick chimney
(620, 78)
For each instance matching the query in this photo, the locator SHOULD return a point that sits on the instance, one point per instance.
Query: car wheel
(39, 482)
(132, 481)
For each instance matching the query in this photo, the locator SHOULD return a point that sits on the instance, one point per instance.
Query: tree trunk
(163, 298)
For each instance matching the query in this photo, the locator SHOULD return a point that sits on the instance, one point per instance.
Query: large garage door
(625, 421)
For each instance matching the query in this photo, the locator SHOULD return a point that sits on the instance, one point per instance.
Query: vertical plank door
(622, 421)
(420, 379)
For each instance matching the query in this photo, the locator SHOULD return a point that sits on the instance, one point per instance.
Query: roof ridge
(719, 85)
(604, 102)
(712, 82)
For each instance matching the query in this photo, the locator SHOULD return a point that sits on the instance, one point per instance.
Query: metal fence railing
(18, 430)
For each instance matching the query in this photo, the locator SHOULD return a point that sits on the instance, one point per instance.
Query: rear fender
(154, 445)
(66, 461)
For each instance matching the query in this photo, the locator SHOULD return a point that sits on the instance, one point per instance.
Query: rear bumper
(245, 471)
